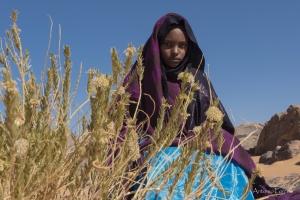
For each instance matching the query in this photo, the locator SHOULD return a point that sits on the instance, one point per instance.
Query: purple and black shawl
(153, 84)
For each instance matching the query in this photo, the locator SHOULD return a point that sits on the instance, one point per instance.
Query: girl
(171, 49)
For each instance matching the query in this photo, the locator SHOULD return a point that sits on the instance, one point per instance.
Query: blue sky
(252, 47)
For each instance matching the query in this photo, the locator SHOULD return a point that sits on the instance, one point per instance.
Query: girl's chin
(173, 64)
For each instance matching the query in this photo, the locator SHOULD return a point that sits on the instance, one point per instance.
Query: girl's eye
(168, 44)
(182, 45)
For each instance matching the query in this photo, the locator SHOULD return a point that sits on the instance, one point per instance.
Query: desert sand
(284, 174)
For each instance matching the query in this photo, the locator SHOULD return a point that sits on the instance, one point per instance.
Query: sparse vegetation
(42, 158)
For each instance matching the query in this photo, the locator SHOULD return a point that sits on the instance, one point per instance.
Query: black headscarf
(166, 27)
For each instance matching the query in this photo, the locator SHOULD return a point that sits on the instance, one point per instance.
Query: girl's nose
(175, 50)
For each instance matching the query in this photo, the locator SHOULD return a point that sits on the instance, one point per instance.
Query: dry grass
(40, 157)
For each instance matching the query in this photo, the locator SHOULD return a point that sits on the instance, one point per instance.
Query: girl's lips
(175, 60)
(174, 63)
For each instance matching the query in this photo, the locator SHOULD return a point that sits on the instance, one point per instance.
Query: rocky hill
(248, 134)
(279, 130)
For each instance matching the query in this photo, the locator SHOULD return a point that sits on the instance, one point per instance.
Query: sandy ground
(285, 174)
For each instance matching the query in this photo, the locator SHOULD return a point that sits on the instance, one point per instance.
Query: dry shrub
(40, 157)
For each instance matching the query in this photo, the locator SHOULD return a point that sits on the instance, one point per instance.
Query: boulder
(266, 157)
(253, 131)
(287, 151)
(280, 129)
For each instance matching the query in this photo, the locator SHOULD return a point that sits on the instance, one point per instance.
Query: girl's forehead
(176, 34)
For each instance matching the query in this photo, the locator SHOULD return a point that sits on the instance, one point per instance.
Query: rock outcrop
(290, 182)
(279, 130)
(253, 131)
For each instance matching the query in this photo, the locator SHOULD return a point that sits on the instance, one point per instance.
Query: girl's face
(174, 48)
